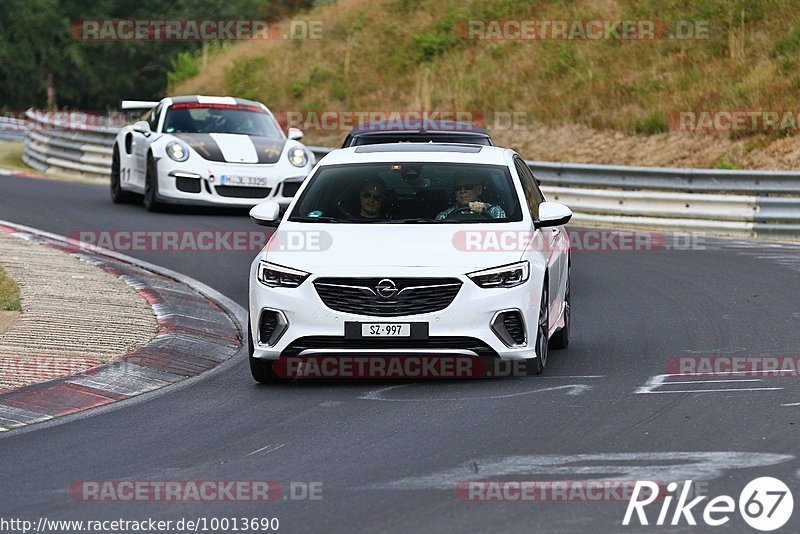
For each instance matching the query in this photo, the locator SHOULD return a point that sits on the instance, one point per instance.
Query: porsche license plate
(244, 181)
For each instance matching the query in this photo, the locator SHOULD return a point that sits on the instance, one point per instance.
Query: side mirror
(266, 214)
(295, 133)
(142, 127)
(553, 214)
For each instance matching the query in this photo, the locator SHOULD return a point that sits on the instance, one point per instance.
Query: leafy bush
(789, 44)
(725, 164)
(297, 87)
(439, 40)
(242, 78)
(558, 57)
(186, 65)
(182, 67)
(338, 92)
(652, 124)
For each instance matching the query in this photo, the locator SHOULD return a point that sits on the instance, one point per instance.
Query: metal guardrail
(72, 144)
(755, 203)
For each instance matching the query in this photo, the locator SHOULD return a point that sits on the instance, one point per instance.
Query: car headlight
(177, 151)
(505, 276)
(273, 275)
(298, 157)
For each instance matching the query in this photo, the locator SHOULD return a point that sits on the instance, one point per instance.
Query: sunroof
(419, 147)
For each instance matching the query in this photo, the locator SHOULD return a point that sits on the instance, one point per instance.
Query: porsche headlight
(273, 275)
(505, 276)
(177, 151)
(298, 157)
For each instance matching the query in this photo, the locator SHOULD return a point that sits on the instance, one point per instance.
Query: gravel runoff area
(75, 315)
(99, 327)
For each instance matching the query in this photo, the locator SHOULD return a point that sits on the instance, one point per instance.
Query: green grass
(724, 164)
(188, 64)
(9, 293)
(11, 156)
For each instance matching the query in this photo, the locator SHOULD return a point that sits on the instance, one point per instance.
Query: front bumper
(180, 183)
(464, 327)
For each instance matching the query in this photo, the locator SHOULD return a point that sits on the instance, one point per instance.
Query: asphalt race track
(389, 459)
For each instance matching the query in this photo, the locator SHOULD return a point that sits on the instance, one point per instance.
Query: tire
(151, 202)
(560, 339)
(536, 365)
(262, 370)
(118, 195)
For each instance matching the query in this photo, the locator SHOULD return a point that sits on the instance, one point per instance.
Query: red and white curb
(198, 329)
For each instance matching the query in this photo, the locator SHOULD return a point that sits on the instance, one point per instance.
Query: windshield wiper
(319, 219)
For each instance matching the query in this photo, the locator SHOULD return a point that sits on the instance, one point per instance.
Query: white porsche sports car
(204, 150)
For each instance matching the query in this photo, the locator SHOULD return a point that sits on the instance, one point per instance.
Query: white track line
(575, 389)
(715, 381)
(272, 448)
(714, 390)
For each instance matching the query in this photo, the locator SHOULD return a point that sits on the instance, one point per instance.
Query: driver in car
(372, 200)
(468, 189)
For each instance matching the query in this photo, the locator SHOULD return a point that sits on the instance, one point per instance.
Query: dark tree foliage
(35, 43)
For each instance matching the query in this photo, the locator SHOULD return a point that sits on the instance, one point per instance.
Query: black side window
(153, 118)
(532, 193)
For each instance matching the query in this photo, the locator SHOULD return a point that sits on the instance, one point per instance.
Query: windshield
(194, 117)
(409, 192)
(374, 139)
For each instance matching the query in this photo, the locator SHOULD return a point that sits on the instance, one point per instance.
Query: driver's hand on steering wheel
(476, 207)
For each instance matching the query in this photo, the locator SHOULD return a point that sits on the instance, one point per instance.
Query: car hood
(366, 249)
(234, 148)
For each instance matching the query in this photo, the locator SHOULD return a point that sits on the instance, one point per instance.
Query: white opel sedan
(412, 249)
(207, 150)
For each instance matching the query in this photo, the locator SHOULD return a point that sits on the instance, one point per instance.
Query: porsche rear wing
(138, 104)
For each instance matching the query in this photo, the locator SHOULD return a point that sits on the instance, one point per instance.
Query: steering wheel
(466, 211)
(340, 205)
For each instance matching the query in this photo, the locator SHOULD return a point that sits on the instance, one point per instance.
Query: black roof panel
(417, 125)
(419, 147)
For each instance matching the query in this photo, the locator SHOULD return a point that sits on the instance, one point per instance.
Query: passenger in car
(372, 199)
(468, 188)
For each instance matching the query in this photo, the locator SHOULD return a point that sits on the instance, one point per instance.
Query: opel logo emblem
(386, 289)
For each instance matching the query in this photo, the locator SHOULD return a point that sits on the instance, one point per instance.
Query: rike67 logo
(765, 504)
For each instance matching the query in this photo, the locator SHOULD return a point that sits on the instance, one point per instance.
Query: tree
(35, 43)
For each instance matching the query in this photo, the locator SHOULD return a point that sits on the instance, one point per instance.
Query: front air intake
(510, 328)
(271, 326)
